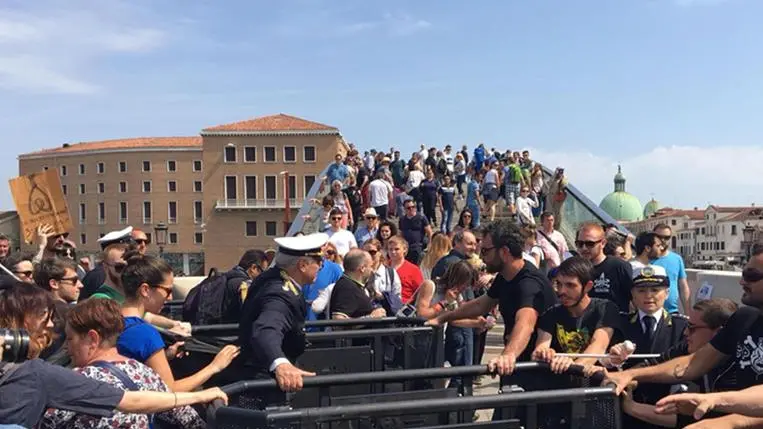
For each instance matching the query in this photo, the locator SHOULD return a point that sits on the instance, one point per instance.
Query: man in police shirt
(741, 339)
(271, 331)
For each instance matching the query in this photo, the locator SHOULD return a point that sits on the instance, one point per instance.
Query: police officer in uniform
(652, 329)
(271, 331)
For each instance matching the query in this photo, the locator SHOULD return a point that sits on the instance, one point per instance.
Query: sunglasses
(24, 273)
(370, 217)
(410, 207)
(336, 218)
(664, 237)
(467, 216)
(118, 267)
(752, 275)
(141, 241)
(330, 253)
(373, 252)
(64, 236)
(587, 243)
(690, 328)
(72, 279)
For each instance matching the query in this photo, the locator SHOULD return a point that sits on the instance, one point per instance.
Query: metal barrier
(231, 329)
(589, 407)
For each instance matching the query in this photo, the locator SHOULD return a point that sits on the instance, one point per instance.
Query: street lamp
(160, 232)
(748, 237)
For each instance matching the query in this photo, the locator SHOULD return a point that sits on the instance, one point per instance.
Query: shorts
(491, 192)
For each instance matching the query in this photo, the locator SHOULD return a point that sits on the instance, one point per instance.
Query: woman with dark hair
(24, 306)
(147, 282)
(445, 294)
(465, 220)
(92, 329)
(386, 231)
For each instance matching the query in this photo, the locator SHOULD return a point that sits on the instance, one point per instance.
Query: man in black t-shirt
(579, 323)
(613, 277)
(741, 339)
(416, 230)
(350, 298)
(522, 292)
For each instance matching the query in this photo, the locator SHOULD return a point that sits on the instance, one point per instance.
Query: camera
(16, 344)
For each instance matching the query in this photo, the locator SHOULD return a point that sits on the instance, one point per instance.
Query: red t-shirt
(410, 280)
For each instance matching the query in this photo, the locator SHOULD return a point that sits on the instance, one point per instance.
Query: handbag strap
(550, 241)
(124, 378)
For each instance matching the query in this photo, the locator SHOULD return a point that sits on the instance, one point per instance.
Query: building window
(173, 238)
(82, 189)
(82, 239)
(270, 229)
(146, 186)
(122, 165)
(270, 154)
(198, 212)
(82, 169)
(196, 165)
(289, 154)
(146, 166)
(292, 187)
(250, 187)
(148, 236)
(308, 181)
(251, 228)
(172, 186)
(101, 168)
(197, 186)
(231, 193)
(63, 170)
(123, 212)
(703, 231)
(198, 238)
(673, 222)
(63, 189)
(172, 212)
(723, 245)
(733, 230)
(308, 153)
(146, 211)
(101, 188)
(270, 188)
(171, 166)
(101, 213)
(230, 153)
(123, 187)
(82, 213)
(250, 154)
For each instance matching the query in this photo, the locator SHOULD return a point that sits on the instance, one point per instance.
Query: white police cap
(116, 235)
(304, 245)
(650, 276)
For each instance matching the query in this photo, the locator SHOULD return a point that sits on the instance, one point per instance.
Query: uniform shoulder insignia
(287, 284)
(632, 317)
(679, 316)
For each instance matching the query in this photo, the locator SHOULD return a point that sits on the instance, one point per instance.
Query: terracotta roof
(723, 209)
(670, 212)
(744, 214)
(133, 143)
(272, 123)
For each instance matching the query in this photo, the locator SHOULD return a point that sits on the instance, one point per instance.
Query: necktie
(649, 322)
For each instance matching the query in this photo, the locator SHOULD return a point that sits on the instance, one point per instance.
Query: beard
(493, 266)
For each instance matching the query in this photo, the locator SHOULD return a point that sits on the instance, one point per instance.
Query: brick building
(219, 193)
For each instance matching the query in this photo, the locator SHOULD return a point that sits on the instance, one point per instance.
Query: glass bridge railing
(576, 209)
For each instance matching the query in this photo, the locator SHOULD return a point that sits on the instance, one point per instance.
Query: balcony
(295, 203)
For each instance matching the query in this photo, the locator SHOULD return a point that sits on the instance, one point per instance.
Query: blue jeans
(447, 219)
(475, 208)
(459, 349)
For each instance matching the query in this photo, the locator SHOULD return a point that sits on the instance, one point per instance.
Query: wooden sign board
(40, 200)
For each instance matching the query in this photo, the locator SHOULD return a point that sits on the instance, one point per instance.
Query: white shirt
(424, 154)
(415, 178)
(378, 191)
(384, 282)
(657, 316)
(449, 160)
(491, 177)
(343, 240)
(524, 209)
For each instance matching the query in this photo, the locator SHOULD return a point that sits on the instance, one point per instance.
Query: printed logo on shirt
(572, 341)
(602, 284)
(750, 354)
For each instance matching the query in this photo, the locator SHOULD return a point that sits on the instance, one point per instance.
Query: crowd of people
(378, 256)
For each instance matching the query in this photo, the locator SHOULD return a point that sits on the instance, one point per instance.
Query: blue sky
(673, 89)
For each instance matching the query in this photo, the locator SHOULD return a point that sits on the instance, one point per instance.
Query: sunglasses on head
(752, 275)
(586, 243)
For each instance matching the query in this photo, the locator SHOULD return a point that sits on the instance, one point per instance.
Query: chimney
(65, 145)
(696, 208)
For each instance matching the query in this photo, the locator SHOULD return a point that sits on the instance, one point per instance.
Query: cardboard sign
(39, 200)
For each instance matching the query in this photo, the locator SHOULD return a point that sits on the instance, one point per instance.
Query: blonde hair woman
(438, 247)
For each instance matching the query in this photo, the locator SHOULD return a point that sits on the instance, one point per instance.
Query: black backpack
(211, 302)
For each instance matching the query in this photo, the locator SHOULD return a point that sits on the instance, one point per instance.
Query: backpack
(211, 302)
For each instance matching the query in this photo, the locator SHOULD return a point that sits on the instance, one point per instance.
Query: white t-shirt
(491, 177)
(379, 191)
(343, 240)
(449, 161)
(415, 178)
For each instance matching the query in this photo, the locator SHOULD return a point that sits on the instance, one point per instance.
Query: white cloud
(392, 24)
(677, 176)
(49, 45)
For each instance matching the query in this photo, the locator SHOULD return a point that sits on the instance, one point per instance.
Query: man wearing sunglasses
(96, 277)
(741, 340)
(613, 277)
(113, 263)
(59, 276)
(674, 266)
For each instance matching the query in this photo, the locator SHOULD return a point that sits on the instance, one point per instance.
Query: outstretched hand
(693, 404)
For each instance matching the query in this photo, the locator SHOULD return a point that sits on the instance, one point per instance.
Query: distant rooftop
(120, 144)
(274, 124)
